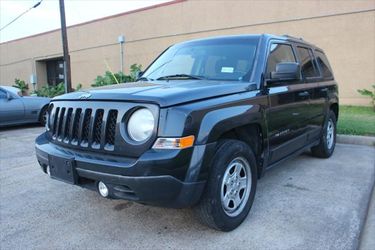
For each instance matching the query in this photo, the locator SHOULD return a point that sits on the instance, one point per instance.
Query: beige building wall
(344, 29)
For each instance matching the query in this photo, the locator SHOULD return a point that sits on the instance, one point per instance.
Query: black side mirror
(286, 71)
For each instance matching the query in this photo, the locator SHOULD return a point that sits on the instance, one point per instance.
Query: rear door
(311, 78)
(288, 106)
(327, 84)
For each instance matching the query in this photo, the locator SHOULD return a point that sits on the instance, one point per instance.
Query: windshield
(229, 58)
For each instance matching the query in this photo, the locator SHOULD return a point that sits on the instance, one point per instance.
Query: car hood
(163, 93)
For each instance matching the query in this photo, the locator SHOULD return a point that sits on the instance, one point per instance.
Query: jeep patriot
(198, 128)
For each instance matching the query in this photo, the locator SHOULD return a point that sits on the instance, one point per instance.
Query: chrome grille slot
(85, 128)
(67, 135)
(55, 118)
(75, 128)
(97, 133)
(60, 124)
(110, 132)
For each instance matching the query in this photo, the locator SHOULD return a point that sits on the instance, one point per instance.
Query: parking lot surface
(305, 203)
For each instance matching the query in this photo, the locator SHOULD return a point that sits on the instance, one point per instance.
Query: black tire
(210, 209)
(42, 115)
(325, 149)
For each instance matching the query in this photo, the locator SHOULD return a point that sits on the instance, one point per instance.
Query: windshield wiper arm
(144, 79)
(177, 76)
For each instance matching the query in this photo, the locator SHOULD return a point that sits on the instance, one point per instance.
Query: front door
(288, 107)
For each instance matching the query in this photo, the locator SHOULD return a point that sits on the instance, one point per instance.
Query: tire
(42, 115)
(234, 162)
(327, 142)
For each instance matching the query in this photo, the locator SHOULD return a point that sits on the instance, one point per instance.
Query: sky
(47, 15)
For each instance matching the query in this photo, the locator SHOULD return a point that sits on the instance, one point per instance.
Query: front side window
(279, 53)
(214, 59)
(324, 64)
(308, 66)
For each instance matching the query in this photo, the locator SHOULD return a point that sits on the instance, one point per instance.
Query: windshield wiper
(180, 76)
(142, 78)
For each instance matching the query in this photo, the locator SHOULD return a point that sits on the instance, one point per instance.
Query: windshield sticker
(227, 70)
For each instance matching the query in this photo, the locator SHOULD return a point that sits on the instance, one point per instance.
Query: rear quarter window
(325, 67)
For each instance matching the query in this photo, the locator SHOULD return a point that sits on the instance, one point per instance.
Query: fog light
(48, 171)
(103, 189)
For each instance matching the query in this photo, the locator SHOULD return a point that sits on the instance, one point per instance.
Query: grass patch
(356, 120)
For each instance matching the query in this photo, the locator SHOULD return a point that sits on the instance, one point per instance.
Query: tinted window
(325, 68)
(3, 94)
(216, 59)
(279, 53)
(308, 66)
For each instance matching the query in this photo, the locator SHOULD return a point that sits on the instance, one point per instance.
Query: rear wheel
(231, 186)
(328, 140)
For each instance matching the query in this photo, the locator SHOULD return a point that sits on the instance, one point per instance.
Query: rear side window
(279, 53)
(308, 66)
(325, 68)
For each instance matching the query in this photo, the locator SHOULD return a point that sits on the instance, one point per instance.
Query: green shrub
(134, 69)
(21, 85)
(78, 87)
(369, 93)
(110, 78)
(51, 91)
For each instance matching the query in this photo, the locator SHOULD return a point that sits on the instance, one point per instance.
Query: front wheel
(328, 139)
(43, 116)
(231, 186)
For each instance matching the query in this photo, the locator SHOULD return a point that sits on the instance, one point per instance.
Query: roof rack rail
(298, 38)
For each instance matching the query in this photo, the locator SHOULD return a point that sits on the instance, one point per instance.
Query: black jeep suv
(199, 127)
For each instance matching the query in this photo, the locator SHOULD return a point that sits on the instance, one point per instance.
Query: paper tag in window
(227, 69)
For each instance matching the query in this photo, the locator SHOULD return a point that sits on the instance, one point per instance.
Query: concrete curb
(366, 240)
(356, 139)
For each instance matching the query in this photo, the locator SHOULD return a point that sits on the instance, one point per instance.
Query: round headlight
(141, 124)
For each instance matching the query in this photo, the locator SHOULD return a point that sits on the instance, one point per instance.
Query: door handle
(303, 94)
(324, 90)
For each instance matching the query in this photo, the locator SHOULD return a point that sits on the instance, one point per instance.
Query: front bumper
(156, 178)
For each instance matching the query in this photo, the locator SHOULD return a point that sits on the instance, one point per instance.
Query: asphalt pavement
(305, 203)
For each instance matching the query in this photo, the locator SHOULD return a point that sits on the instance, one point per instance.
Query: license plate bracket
(63, 169)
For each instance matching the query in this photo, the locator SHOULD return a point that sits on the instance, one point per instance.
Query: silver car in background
(16, 109)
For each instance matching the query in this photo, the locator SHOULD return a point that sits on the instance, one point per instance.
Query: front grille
(95, 128)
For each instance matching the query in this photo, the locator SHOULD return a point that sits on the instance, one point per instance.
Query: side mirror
(138, 74)
(9, 96)
(286, 71)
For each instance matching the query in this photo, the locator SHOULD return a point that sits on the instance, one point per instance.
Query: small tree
(21, 85)
(51, 91)
(369, 93)
(110, 78)
(134, 69)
